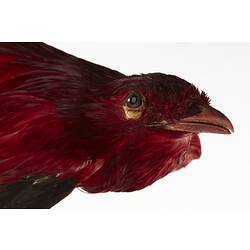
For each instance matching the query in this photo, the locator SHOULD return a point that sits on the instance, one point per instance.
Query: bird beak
(208, 120)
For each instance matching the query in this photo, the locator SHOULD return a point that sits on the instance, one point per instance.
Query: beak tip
(228, 125)
(231, 129)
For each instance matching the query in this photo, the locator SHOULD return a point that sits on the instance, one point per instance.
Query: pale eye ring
(134, 100)
(134, 106)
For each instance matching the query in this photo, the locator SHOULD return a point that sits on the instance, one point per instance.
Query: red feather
(39, 86)
(64, 117)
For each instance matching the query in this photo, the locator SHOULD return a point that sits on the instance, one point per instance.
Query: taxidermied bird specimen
(67, 123)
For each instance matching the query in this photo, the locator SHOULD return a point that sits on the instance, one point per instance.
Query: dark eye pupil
(134, 101)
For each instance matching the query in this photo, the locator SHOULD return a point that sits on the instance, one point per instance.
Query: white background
(148, 226)
(220, 179)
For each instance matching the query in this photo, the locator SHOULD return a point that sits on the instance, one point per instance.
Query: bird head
(146, 126)
(67, 122)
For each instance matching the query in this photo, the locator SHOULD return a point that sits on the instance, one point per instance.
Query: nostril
(193, 109)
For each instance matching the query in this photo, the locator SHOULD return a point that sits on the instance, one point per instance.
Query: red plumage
(66, 118)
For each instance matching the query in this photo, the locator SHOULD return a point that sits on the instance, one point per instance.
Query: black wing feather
(33, 192)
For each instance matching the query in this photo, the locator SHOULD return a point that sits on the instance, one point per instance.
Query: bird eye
(134, 100)
(134, 106)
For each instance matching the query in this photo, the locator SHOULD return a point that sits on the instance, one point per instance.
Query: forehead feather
(162, 85)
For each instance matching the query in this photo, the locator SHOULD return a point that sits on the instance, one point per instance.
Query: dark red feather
(64, 117)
